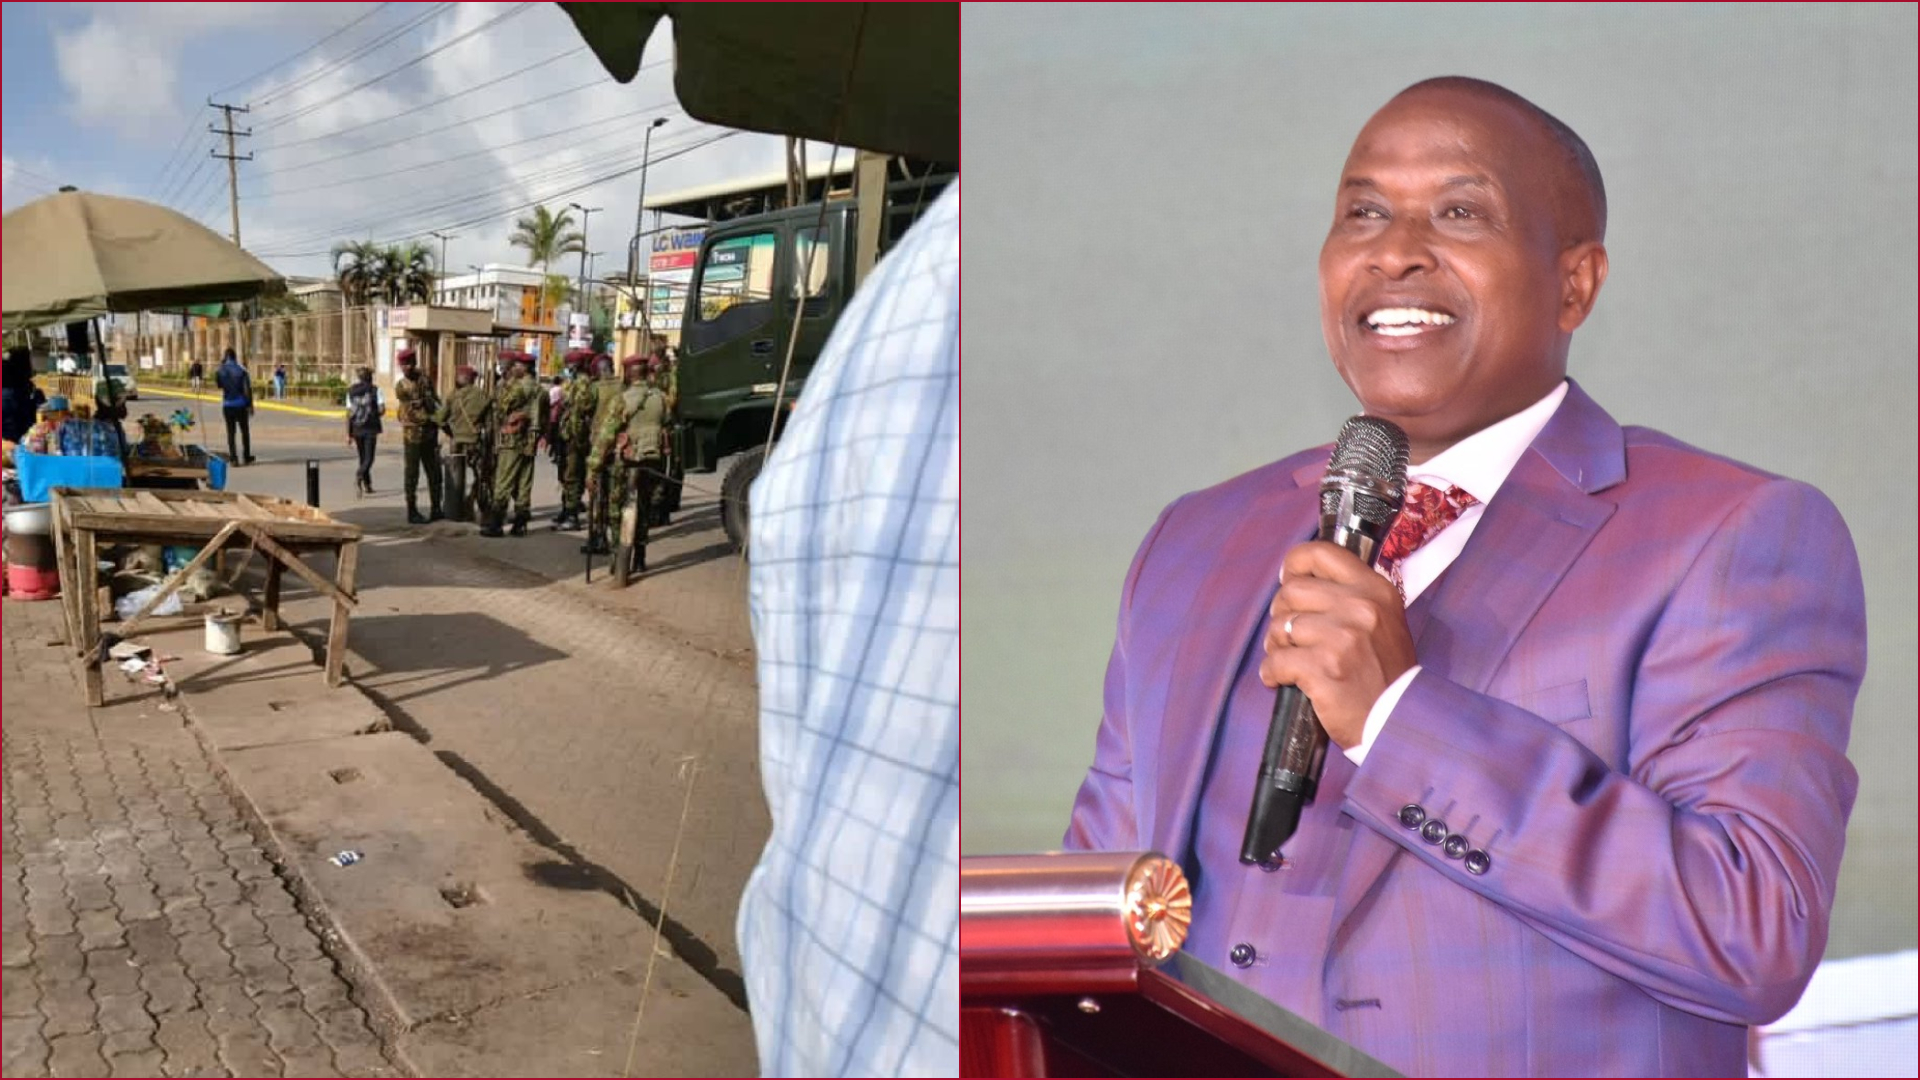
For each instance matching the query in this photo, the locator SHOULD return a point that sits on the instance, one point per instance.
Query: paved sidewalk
(146, 930)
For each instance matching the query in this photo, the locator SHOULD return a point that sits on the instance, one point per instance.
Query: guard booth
(437, 335)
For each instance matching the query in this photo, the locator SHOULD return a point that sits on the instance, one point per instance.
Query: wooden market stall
(85, 520)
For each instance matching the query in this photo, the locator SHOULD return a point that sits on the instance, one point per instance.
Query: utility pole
(233, 178)
(633, 249)
(443, 238)
(586, 214)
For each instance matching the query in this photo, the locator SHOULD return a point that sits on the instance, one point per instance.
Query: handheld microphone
(1361, 494)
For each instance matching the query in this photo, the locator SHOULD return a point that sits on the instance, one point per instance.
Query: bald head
(1578, 194)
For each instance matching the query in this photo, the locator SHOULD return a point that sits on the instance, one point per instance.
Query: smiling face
(1457, 266)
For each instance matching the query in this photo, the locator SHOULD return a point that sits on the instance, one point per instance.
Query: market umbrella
(783, 68)
(77, 255)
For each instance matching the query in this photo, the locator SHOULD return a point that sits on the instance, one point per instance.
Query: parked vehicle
(121, 376)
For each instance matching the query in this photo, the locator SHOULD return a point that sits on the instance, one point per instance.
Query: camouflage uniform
(582, 402)
(606, 390)
(464, 415)
(667, 499)
(416, 404)
(515, 409)
(627, 443)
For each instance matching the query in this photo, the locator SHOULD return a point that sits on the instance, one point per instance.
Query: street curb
(376, 999)
(324, 414)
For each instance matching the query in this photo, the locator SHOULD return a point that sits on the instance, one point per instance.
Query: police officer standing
(463, 416)
(577, 410)
(628, 444)
(666, 367)
(515, 407)
(607, 387)
(417, 404)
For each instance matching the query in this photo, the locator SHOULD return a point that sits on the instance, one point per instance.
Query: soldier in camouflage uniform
(578, 405)
(667, 378)
(463, 416)
(514, 409)
(607, 387)
(627, 442)
(416, 405)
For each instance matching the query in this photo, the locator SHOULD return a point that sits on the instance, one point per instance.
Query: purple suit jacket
(1637, 684)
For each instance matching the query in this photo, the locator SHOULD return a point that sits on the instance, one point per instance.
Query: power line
(628, 168)
(43, 177)
(174, 159)
(327, 69)
(415, 135)
(437, 202)
(457, 157)
(256, 76)
(185, 182)
(490, 23)
(439, 101)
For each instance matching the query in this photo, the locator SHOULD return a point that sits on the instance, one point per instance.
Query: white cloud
(476, 172)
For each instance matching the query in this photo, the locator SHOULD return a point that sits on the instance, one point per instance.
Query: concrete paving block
(446, 909)
(688, 1029)
(271, 693)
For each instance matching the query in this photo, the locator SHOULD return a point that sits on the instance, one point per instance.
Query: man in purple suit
(1587, 793)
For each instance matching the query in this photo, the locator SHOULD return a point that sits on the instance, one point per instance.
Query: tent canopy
(783, 68)
(76, 255)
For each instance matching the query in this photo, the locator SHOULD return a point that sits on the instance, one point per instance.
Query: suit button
(1456, 846)
(1242, 955)
(1478, 862)
(1412, 814)
(1433, 831)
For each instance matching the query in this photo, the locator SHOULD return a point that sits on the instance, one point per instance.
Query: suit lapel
(1231, 604)
(1533, 530)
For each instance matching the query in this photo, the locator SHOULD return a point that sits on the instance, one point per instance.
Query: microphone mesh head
(1370, 455)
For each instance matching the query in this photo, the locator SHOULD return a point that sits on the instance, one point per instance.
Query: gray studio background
(1147, 190)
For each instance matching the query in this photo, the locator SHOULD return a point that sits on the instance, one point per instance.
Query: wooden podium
(1069, 967)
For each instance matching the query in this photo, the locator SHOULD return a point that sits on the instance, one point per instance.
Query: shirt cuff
(1377, 716)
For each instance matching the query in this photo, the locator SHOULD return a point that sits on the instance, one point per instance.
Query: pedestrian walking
(363, 426)
(515, 408)
(236, 405)
(416, 405)
(196, 374)
(464, 416)
(280, 382)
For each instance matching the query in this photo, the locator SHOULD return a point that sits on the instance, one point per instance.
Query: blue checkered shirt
(849, 925)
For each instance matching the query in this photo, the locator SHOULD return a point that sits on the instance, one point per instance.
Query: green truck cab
(756, 278)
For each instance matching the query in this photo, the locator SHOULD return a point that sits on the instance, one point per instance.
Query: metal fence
(310, 346)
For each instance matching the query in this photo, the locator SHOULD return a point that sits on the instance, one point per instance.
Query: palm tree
(356, 266)
(546, 236)
(409, 272)
(554, 290)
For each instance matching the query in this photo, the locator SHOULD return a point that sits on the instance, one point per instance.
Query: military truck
(755, 277)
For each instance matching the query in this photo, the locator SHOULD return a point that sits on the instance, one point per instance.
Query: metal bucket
(223, 633)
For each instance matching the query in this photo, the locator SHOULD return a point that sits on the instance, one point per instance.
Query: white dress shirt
(1477, 465)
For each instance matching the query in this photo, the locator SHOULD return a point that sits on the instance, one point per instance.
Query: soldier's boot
(413, 512)
(433, 512)
(596, 544)
(520, 524)
(492, 527)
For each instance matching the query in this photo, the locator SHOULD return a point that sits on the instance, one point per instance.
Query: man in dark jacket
(236, 404)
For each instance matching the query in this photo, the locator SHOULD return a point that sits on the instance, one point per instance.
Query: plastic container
(223, 633)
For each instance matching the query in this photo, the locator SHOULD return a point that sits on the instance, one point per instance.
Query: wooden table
(86, 518)
(142, 470)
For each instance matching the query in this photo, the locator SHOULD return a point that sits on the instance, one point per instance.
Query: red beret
(467, 370)
(633, 362)
(576, 357)
(406, 358)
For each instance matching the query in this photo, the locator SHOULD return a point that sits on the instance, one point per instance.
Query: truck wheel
(733, 494)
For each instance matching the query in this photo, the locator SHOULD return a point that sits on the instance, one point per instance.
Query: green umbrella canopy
(75, 255)
(783, 68)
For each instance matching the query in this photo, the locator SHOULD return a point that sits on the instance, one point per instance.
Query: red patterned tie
(1426, 511)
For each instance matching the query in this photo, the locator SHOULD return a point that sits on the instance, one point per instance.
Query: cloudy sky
(369, 121)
